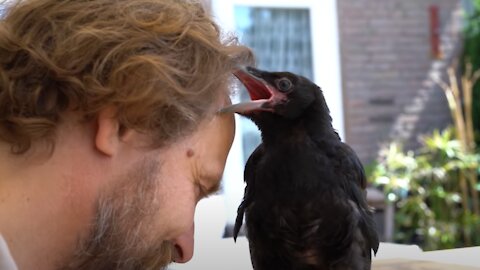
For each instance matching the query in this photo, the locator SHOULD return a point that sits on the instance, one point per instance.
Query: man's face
(145, 219)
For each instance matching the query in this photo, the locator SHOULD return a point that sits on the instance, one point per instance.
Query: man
(109, 132)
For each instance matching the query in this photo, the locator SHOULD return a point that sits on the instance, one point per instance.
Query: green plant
(459, 93)
(425, 188)
(471, 54)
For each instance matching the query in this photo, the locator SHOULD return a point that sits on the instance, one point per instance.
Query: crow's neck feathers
(314, 122)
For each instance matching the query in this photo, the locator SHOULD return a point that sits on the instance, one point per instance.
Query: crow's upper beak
(260, 92)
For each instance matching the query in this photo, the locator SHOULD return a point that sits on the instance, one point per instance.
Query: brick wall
(386, 60)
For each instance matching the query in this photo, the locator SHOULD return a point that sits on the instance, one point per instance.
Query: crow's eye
(284, 84)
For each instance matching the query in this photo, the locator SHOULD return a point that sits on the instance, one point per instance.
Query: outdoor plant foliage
(434, 204)
(471, 54)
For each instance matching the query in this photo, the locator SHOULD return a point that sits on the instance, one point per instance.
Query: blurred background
(399, 78)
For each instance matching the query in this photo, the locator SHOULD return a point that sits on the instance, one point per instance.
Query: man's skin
(48, 202)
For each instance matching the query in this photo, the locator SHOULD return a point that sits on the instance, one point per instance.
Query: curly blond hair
(161, 63)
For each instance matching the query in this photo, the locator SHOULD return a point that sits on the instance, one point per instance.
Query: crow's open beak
(260, 91)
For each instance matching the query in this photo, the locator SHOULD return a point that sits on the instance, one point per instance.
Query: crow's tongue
(256, 87)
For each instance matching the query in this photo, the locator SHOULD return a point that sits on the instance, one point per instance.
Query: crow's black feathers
(305, 203)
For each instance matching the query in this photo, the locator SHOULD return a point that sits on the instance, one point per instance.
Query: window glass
(280, 38)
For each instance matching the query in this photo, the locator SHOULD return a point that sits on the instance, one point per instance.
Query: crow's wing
(355, 184)
(350, 160)
(249, 177)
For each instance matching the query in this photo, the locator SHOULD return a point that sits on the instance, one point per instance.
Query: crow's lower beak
(244, 107)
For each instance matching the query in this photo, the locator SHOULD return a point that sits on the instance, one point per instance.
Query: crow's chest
(294, 170)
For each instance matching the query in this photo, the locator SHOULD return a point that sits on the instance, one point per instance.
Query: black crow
(305, 201)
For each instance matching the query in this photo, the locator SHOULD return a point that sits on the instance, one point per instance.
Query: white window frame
(326, 72)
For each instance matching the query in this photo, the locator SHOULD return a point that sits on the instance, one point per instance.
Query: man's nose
(184, 246)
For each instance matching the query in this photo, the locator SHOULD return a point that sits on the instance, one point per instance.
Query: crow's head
(283, 94)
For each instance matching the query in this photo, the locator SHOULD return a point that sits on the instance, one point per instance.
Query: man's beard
(122, 236)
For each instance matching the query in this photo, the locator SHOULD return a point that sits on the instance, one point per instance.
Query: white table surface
(225, 254)
(214, 253)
